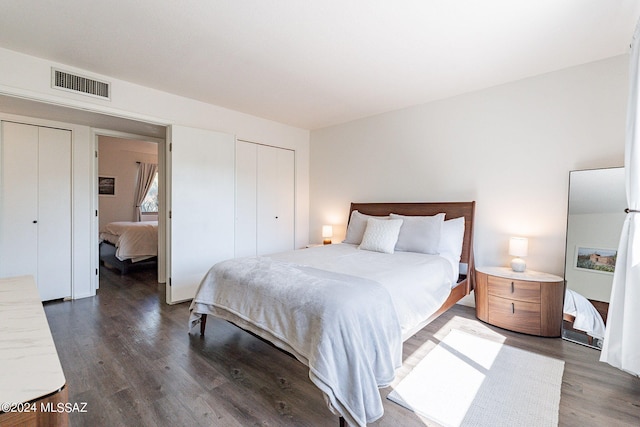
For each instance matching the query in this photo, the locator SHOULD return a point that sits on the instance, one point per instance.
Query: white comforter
(588, 319)
(133, 240)
(418, 283)
(337, 309)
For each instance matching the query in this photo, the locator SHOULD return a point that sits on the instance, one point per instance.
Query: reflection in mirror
(597, 200)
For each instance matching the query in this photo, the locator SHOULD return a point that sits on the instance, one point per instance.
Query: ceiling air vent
(79, 84)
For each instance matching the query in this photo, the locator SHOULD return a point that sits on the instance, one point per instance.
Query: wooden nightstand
(529, 302)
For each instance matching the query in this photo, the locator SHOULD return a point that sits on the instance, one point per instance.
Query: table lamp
(518, 247)
(327, 233)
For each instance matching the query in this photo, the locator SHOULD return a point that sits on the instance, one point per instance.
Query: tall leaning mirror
(597, 200)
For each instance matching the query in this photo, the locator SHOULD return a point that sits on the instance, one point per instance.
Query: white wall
(117, 157)
(510, 148)
(29, 77)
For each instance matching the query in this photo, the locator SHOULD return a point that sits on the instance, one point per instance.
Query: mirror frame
(606, 203)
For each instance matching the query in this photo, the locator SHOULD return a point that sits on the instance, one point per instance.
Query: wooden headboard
(451, 209)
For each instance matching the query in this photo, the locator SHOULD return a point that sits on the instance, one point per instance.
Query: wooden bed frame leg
(343, 423)
(203, 324)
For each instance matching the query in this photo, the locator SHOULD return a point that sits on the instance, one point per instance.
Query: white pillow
(451, 240)
(419, 233)
(357, 225)
(381, 235)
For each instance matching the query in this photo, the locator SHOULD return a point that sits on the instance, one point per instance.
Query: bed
(583, 317)
(125, 243)
(344, 310)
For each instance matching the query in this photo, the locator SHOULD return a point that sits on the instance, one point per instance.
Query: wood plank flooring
(128, 355)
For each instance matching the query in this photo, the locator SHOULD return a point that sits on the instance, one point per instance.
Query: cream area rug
(467, 380)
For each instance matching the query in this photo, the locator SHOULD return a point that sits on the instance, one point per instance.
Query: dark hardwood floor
(128, 355)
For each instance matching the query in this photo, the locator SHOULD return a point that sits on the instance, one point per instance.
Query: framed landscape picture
(594, 259)
(107, 185)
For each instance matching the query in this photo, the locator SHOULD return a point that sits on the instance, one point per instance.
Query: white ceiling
(316, 63)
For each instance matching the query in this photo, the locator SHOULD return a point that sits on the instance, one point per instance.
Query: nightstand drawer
(514, 315)
(520, 290)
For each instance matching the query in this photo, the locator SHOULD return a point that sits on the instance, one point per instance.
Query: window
(150, 202)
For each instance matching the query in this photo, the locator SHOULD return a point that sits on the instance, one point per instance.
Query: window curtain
(621, 347)
(146, 173)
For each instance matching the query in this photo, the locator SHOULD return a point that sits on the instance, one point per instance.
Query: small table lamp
(327, 233)
(518, 247)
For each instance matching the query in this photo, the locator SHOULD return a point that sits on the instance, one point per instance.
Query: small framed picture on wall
(107, 186)
(595, 259)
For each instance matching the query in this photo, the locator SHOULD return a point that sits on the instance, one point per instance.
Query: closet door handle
(35, 221)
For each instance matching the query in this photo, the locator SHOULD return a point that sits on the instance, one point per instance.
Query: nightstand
(530, 302)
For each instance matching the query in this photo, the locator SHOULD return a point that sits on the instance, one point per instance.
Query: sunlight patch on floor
(451, 363)
(469, 367)
(457, 322)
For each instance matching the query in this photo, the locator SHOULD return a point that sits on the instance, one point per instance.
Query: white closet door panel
(201, 228)
(267, 213)
(276, 200)
(54, 214)
(19, 204)
(286, 195)
(246, 203)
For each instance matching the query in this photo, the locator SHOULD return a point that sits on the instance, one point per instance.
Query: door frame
(96, 133)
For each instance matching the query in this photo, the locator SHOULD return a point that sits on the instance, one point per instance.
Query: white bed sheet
(587, 318)
(136, 241)
(418, 283)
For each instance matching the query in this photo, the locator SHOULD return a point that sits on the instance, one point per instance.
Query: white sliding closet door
(18, 231)
(265, 199)
(276, 200)
(200, 233)
(35, 216)
(54, 213)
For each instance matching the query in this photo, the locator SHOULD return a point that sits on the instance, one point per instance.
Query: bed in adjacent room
(344, 310)
(124, 243)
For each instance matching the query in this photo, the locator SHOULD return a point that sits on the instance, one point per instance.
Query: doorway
(129, 204)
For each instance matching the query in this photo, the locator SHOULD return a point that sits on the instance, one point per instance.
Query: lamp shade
(327, 233)
(518, 246)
